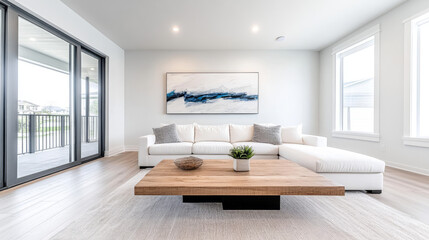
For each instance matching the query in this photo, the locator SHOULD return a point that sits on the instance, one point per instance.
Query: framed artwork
(213, 93)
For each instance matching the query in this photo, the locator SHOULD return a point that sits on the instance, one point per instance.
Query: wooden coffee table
(216, 181)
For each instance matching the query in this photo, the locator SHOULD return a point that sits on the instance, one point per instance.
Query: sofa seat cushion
(330, 160)
(171, 148)
(260, 148)
(211, 148)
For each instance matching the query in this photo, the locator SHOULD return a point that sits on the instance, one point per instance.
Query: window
(356, 81)
(420, 79)
(417, 81)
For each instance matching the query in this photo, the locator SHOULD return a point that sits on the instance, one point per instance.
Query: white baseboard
(131, 148)
(113, 151)
(408, 168)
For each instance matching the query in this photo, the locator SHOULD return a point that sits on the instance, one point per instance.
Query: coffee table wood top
(216, 177)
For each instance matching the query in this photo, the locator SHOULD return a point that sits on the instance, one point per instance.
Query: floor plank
(40, 209)
(43, 207)
(407, 192)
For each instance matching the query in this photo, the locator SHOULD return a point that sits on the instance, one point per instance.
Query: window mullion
(341, 94)
(417, 133)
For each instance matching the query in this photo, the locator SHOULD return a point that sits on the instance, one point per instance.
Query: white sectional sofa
(354, 171)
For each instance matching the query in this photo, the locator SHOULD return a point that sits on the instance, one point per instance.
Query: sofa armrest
(144, 143)
(316, 141)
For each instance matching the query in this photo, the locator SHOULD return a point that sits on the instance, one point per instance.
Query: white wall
(288, 87)
(390, 148)
(58, 14)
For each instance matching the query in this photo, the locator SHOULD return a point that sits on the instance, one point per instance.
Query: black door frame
(2, 94)
(9, 126)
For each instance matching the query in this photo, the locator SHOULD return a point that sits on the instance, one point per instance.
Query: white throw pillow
(241, 133)
(217, 133)
(185, 132)
(292, 134)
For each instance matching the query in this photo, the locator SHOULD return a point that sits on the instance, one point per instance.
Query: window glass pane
(358, 89)
(90, 105)
(423, 105)
(43, 100)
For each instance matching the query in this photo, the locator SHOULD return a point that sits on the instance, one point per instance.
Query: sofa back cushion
(185, 132)
(267, 134)
(241, 133)
(166, 134)
(292, 134)
(217, 133)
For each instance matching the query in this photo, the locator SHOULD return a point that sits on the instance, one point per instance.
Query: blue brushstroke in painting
(207, 97)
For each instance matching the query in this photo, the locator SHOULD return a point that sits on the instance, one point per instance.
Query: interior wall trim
(408, 168)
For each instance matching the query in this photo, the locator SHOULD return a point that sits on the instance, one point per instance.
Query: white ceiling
(226, 24)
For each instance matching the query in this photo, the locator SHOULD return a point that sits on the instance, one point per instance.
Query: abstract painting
(199, 93)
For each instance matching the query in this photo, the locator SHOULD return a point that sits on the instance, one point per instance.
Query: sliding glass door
(54, 108)
(45, 97)
(90, 102)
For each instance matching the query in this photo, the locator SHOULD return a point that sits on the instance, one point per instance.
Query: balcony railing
(38, 132)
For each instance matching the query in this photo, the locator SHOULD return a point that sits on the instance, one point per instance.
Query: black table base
(239, 202)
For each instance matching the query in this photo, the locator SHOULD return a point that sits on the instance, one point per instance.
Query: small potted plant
(241, 155)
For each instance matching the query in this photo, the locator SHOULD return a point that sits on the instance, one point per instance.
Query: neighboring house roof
(359, 93)
(352, 83)
(23, 102)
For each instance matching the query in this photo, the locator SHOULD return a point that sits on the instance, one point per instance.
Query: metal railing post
(87, 95)
(63, 131)
(32, 133)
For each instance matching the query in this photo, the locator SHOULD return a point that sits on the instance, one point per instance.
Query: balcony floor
(35, 162)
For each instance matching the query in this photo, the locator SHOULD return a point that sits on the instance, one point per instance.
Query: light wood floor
(407, 192)
(39, 209)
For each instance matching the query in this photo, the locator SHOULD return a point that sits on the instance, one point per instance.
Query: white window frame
(411, 65)
(337, 98)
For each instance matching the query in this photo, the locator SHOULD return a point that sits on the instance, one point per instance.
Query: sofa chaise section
(355, 171)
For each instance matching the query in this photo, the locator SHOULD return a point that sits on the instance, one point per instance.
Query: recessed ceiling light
(92, 69)
(32, 39)
(176, 29)
(255, 28)
(280, 38)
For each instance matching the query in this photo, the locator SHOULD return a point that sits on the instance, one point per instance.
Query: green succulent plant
(241, 152)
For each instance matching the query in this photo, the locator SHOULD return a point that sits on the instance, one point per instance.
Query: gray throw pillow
(267, 134)
(166, 134)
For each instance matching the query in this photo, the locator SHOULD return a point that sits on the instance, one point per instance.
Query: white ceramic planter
(241, 165)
